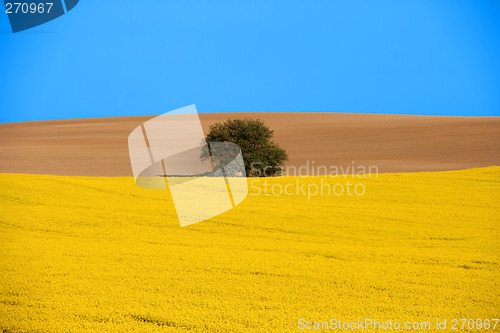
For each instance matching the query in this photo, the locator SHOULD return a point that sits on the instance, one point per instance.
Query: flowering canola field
(101, 254)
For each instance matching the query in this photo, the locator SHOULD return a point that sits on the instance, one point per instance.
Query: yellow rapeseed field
(101, 254)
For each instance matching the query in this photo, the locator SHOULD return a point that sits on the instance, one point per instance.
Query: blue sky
(435, 57)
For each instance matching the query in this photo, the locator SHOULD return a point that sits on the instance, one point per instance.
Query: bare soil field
(392, 143)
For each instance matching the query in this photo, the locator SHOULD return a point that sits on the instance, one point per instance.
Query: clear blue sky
(119, 58)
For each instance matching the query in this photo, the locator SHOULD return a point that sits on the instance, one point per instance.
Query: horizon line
(218, 112)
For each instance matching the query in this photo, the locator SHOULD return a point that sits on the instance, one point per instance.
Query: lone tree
(262, 156)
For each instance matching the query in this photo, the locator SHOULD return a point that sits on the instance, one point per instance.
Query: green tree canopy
(262, 156)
